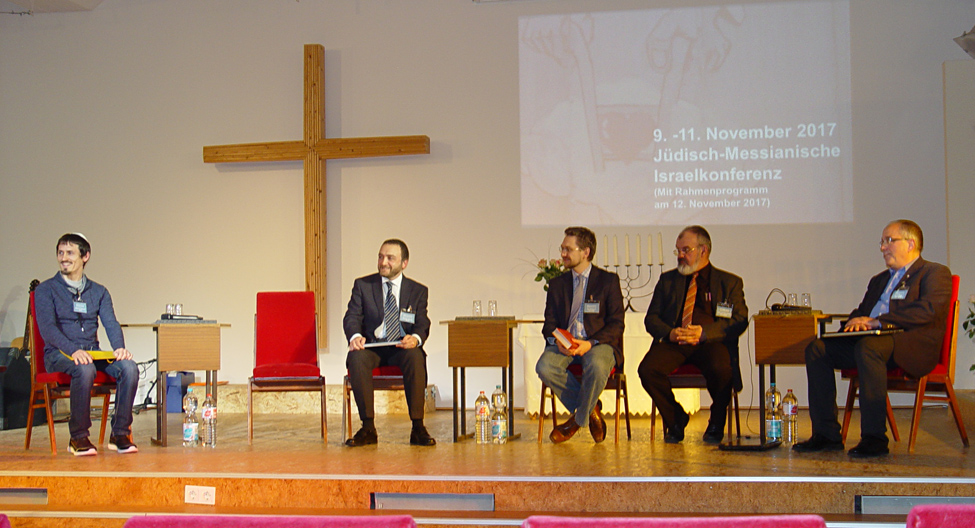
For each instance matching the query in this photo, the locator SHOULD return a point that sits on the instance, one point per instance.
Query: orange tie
(689, 301)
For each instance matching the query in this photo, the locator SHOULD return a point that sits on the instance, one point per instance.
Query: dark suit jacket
(365, 313)
(667, 307)
(605, 326)
(923, 314)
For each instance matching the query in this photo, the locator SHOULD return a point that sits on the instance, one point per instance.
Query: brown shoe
(597, 426)
(563, 432)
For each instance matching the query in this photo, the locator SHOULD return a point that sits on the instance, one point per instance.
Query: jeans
(578, 398)
(126, 374)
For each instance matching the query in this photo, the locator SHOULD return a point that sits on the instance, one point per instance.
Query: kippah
(83, 237)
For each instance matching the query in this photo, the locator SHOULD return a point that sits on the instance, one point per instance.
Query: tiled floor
(291, 445)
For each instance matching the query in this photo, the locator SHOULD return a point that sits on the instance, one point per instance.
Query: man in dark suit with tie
(912, 295)
(387, 307)
(587, 302)
(696, 315)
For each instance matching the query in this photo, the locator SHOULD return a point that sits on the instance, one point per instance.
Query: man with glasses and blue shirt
(912, 295)
(587, 302)
(696, 316)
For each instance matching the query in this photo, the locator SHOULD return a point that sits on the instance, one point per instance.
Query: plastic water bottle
(191, 426)
(773, 414)
(790, 417)
(499, 425)
(209, 422)
(499, 398)
(482, 420)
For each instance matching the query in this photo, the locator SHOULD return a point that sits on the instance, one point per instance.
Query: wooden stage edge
(289, 471)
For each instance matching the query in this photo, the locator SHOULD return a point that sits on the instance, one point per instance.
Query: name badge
(80, 307)
(899, 294)
(407, 317)
(723, 311)
(591, 307)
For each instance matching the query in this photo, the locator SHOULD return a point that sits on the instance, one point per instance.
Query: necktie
(577, 297)
(689, 301)
(391, 318)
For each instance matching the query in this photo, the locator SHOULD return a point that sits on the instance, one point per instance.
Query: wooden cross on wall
(314, 150)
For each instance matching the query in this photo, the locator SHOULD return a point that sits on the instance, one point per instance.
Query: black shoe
(420, 437)
(870, 447)
(363, 437)
(81, 447)
(122, 443)
(714, 434)
(818, 443)
(597, 425)
(675, 433)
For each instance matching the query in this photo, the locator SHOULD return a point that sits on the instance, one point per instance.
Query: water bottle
(191, 426)
(790, 417)
(209, 422)
(499, 425)
(499, 398)
(482, 420)
(773, 414)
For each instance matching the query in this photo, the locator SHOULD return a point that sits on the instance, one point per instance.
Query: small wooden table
(481, 342)
(183, 346)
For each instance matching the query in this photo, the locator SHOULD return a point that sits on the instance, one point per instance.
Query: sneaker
(81, 447)
(122, 443)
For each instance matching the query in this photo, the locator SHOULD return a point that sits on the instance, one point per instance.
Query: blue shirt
(65, 329)
(883, 304)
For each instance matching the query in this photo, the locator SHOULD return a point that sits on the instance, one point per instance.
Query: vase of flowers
(548, 270)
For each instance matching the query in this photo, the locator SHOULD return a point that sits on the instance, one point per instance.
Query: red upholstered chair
(940, 380)
(941, 516)
(616, 382)
(743, 521)
(47, 386)
(285, 350)
(266, 521)
(688, 376)
(387, 378)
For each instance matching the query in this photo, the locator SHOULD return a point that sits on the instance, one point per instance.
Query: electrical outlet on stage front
(200, 495)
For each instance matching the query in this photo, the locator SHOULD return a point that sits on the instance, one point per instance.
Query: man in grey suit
(912, 295)
(387, 307)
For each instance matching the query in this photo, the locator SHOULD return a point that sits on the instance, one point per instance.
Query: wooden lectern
(481, 342)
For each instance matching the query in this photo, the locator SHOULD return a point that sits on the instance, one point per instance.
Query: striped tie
(689, 301)
(391, 320)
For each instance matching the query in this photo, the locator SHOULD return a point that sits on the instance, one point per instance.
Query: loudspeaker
(15, 391)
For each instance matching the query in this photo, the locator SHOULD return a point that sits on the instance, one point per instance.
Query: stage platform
(288, 470)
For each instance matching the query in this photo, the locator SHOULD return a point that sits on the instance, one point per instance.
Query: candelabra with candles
(633, 279)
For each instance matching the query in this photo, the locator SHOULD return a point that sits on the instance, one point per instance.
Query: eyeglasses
(564, 249)
(685, 251)
(886, 241)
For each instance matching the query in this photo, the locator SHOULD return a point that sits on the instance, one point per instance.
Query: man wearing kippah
(67, 308)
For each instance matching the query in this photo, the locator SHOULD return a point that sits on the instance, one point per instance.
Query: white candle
(616, 252)
(650, 250)
(660, 246)
(626, 242)
(638, 250)
(606, 249)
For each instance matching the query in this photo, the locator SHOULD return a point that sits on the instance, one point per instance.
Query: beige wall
(103, 116)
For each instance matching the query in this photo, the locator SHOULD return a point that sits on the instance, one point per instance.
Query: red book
(565, 338)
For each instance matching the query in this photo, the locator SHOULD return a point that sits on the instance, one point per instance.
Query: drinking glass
(493, 308)
(476, 311)
(793, 300)
(807, 300)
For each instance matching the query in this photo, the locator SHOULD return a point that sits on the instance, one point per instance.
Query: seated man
(68, 307)
(912, 294)
(588, 302)
(388, 307)
(696, 315)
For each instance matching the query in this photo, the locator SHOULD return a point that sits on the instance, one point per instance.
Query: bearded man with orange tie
(696, 316)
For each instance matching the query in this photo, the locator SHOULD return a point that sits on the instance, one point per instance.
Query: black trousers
(413, 363)
(714, 362)
(871, 356)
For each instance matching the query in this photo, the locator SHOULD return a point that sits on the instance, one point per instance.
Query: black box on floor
(15, 391)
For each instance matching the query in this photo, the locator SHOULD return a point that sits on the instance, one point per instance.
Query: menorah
(633, 279)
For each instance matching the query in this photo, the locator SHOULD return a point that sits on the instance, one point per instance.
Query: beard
(685, 269)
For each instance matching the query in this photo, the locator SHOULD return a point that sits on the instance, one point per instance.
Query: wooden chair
(615, 382)
(940, 380)
(385, 378)
(285, 350)
(688, 376)
(46, 387)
